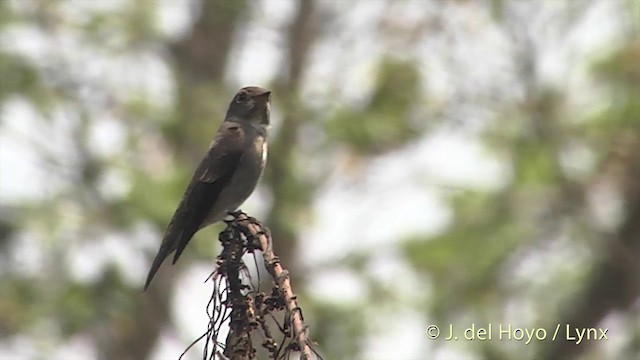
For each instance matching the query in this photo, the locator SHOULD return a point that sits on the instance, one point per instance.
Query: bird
(226, 176)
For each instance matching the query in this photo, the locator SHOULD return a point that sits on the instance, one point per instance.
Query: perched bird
(226, 176)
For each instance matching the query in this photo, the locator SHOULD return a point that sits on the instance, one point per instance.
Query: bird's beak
(265, 95)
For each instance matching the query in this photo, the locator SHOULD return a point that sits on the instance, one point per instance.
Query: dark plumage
(226, 176)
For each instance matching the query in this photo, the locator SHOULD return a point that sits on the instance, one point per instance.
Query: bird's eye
(242, 97)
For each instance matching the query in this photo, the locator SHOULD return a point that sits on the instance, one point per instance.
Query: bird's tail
(169, 245)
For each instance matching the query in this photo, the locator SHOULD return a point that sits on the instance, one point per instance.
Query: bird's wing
(212, 175)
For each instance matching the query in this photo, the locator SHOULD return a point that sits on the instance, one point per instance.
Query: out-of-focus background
(431, 162)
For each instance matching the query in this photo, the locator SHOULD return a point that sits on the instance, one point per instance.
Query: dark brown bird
(226, 176)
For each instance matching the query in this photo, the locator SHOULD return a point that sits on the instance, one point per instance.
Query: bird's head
(250, 103)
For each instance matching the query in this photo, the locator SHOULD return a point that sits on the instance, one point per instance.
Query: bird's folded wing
(212, 175)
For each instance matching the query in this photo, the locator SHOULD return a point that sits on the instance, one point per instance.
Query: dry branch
(281, 278)
(249, 311)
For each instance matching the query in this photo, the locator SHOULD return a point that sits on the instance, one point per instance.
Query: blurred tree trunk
(614, 282)
(285, 176)
(200, 60)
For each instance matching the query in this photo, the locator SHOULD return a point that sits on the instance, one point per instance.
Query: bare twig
(249, 310)
(281, 278)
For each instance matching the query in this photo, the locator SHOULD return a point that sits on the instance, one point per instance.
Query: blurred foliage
(473, 270)
(620, 73)
(20, 78)
(387, 120)
(490, 231)
(467, 261)
(339, 322)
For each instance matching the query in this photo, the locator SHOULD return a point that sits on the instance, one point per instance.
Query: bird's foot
(253, 236)
(236, 214)
(263, 230)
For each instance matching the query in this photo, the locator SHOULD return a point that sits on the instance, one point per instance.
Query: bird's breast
(264, 152)
(242, 183)
(249, 171)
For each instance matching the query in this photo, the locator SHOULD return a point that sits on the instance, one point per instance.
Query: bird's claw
(236, 214)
